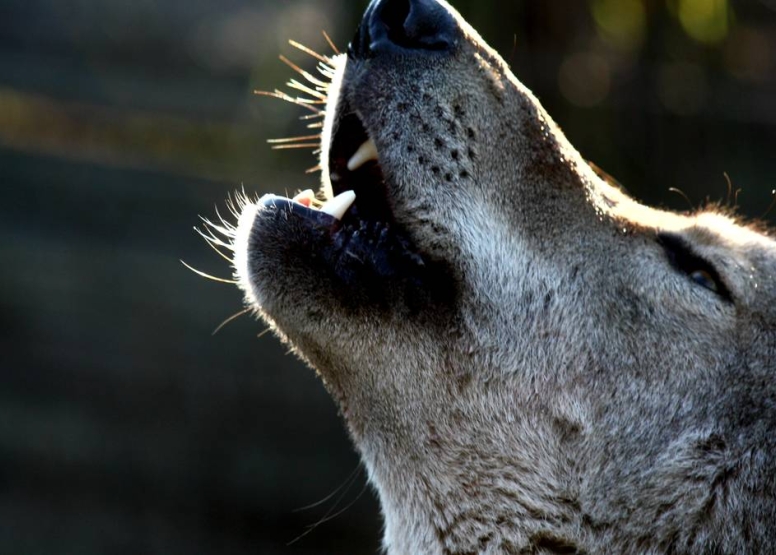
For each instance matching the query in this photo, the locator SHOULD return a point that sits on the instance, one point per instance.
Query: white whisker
(323, 59)
(208, 276)
(294, 84)
(294, 139)
(307, 75)
(290, 147)
(283, 96)
(231, 318)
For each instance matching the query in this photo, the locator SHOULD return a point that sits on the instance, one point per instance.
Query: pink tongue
(304, 202)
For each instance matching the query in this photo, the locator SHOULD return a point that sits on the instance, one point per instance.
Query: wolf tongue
(305, 198)
(339, 205)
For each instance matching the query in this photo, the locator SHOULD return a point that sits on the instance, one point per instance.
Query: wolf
(527, 360)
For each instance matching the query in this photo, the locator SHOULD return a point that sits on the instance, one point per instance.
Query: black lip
(290, 207)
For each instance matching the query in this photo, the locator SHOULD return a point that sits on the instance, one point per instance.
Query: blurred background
(126, 426)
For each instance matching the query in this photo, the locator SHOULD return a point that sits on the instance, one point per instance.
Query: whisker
(208, 235)
(729, 187)
(294, 139)
(318, 125)
(229, 206)
(243, 198)
(210, 243)
(283, 96)
(307, 75)
(326, 70)
(735, 194)
(234, 206)
(683, 195)
(315, 169)
(305, 101)
(228, 233)
(311, 116)
(328, 516)
(346, 482)
(216, 243)
(345, 508)
(232, 318)
(331, 42)
(226, 229)
(311, 52)
(208, 276)
(265, 332)
(289, 147)
(294, 84)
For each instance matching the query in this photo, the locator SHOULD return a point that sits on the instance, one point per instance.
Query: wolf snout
(389, 25)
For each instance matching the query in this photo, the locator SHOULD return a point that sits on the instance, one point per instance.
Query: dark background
(125, 425)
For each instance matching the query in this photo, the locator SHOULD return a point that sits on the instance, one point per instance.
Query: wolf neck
(487, 486)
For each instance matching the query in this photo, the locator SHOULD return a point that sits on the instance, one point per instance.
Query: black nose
(406, 25)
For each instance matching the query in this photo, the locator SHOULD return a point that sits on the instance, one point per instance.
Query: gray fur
(581, 395)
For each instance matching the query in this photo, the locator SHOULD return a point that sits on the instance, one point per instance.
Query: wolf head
(527, 359)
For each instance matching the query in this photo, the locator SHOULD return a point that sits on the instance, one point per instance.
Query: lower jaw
(356, 264)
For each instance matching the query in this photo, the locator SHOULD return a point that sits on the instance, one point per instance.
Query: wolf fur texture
(527, 360)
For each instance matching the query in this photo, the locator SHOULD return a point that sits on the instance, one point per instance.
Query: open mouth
(359, 214)
(354, 233)
(359, 190)
(354, 166)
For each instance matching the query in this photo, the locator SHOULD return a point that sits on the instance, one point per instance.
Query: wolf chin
(527, 360)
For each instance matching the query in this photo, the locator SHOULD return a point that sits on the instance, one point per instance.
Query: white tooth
(339, 205)
(365, 153)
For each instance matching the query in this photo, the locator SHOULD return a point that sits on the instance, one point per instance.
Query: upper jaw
(350, 159)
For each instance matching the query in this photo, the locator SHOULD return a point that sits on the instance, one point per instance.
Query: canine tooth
(339, 205)
(365, 153)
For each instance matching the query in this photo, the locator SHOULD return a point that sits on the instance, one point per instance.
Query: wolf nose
(404, 25)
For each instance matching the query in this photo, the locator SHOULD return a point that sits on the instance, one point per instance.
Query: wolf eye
(705, 279)
(699, 270)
